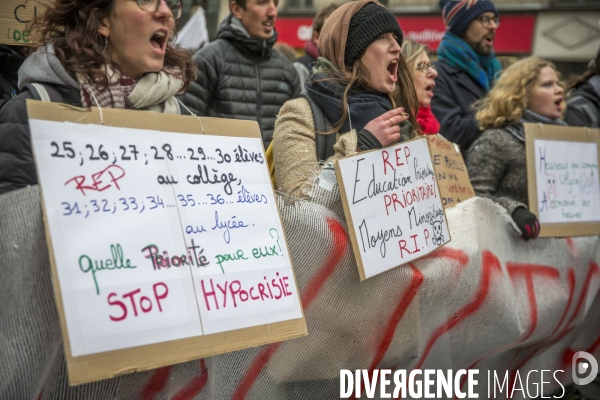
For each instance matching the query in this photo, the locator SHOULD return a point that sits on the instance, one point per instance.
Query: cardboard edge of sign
(110, 364)
(560, 133)
(348, 215)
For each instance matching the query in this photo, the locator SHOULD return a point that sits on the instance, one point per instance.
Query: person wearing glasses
(467, 67)
(239, 74)
(424, 74)
(103, 53)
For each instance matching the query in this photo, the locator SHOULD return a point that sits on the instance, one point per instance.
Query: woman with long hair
(424, 74)
(103, 53)
(527, 91)
(360, 84)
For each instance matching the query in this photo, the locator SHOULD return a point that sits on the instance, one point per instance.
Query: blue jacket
(454, 94)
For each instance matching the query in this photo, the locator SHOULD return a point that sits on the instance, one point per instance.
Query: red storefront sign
(515, 35)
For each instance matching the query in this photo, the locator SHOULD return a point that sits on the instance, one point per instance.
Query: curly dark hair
(72, 27)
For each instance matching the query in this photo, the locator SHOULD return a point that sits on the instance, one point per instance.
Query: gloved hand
(527, 223)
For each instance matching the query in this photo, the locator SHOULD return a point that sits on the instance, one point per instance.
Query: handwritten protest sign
(14, 17)
(564, 185)
(393, 206)
(160, 236)
(450, 171)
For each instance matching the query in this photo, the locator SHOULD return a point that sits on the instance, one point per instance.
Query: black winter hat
(369, 23)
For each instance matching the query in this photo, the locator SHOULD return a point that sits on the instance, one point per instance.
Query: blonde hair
(509, 97)
(411, 51)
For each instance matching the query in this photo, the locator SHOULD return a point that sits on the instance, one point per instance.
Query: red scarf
(427, 121)
(310, 47)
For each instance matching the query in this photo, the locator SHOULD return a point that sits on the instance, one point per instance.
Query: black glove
(367, 141)
(527, 223)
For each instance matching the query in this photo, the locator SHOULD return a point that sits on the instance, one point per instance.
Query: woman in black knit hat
(362, 87)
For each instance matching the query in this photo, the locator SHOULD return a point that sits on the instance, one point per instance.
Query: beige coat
(294, 148)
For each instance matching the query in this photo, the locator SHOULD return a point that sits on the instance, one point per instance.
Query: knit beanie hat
(458, 14)
(369, 23)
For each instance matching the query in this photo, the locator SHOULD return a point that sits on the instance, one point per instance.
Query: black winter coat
(453, 97)
(17, 169)
(10, 61)
(242, 78)
(583, 107)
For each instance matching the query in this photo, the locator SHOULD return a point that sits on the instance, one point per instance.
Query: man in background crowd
(239, 74)
(467, 67)
(311, 52)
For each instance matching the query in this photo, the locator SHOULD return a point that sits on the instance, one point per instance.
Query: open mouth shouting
(558, 104)
(268, 25)
(158, 41)
(429, 90)
(392, 70)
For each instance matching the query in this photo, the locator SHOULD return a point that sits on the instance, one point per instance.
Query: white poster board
(563, 180)
(393, 206)
(569, 188)
(160, 236)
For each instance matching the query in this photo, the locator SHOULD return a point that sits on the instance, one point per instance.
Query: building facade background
(564, 31)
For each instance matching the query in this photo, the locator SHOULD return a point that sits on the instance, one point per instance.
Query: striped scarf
(155, 91)
(456, 52)
(532, 117)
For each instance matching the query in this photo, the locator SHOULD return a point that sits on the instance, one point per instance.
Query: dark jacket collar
(232, 30)
(10, 62)
(586, 90)
(462, 79)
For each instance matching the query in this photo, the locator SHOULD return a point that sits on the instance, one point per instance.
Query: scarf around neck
(310, 47)
(155, 91)
(455, 51)
(363, 106)
(427, 121)
(532, 117)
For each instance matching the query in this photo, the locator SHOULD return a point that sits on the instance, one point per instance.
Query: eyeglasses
(152, 6)
(425, 66)
(487, 21)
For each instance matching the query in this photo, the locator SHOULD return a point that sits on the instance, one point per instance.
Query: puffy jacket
(583, 107)
(10, 61)
(453, 97)
(17, 169)
(243, 78)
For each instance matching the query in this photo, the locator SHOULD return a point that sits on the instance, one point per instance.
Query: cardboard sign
(393, 206)
(14, 17)
(164, 244)
(450, 171)
(563, 180)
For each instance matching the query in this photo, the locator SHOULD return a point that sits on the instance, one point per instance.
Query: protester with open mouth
(360, 85)
(103, 53)
(424, 74)
(467, 67)
(527, 91)
(239, 74)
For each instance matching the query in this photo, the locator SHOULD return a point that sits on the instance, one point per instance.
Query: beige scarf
(155, 91)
